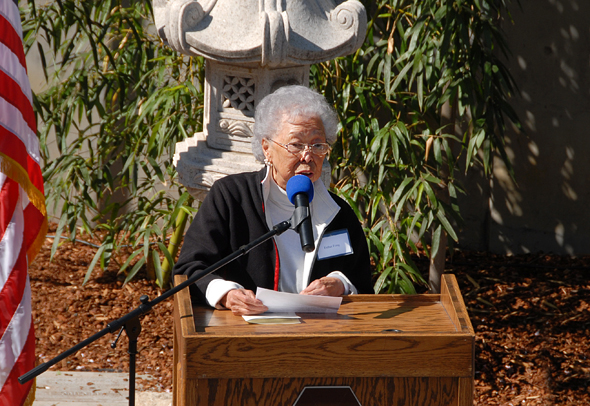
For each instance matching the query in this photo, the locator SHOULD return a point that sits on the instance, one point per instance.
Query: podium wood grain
(390, 349)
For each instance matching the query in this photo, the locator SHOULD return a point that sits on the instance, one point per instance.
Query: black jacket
(232, 215)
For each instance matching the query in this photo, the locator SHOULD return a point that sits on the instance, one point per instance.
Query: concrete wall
(547, 209)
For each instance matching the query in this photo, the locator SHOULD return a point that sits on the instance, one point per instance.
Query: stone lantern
(252, 47)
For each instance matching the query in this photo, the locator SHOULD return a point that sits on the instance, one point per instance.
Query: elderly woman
(292, 135)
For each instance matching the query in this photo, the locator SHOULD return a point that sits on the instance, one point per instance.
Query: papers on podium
(282, 307)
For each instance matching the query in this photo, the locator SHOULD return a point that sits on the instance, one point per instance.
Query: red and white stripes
(23, 217)
(17, 338)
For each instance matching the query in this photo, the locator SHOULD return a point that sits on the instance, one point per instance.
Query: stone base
(199, 166)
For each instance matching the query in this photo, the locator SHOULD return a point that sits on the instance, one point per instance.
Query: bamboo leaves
(425, 95)
(116, 102)
(432, 98)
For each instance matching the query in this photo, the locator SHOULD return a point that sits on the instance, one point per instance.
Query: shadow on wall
(545, 210)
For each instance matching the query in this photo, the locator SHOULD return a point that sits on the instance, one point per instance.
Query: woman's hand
(325, 286)
(242, 302)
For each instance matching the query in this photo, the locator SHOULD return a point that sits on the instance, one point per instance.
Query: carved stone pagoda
(252, 47)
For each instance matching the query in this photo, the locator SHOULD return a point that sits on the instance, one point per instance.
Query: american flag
(23, 217)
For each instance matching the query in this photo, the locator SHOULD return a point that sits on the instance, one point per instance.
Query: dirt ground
(530, 313)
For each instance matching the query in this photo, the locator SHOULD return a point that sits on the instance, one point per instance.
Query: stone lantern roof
(266, 32)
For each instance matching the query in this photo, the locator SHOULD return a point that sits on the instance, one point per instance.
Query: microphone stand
(131, 321)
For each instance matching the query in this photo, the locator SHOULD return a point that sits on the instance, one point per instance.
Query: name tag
(335, 244)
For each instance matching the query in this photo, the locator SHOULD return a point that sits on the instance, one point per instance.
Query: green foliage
(117, 101)
(425, 95)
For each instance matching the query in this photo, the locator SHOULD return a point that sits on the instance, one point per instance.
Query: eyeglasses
(296, 148)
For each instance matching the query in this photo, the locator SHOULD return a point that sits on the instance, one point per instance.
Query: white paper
(292, 302)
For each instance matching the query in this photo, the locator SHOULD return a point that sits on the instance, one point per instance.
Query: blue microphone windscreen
(299, 184)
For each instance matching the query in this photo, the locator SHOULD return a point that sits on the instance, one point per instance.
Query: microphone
(300, 193)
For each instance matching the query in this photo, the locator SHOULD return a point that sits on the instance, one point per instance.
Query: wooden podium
(389, 349)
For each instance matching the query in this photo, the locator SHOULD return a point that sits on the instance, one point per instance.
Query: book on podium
(376, 350)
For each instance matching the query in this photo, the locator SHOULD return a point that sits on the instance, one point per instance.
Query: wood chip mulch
(531, 314)
(66, 313)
